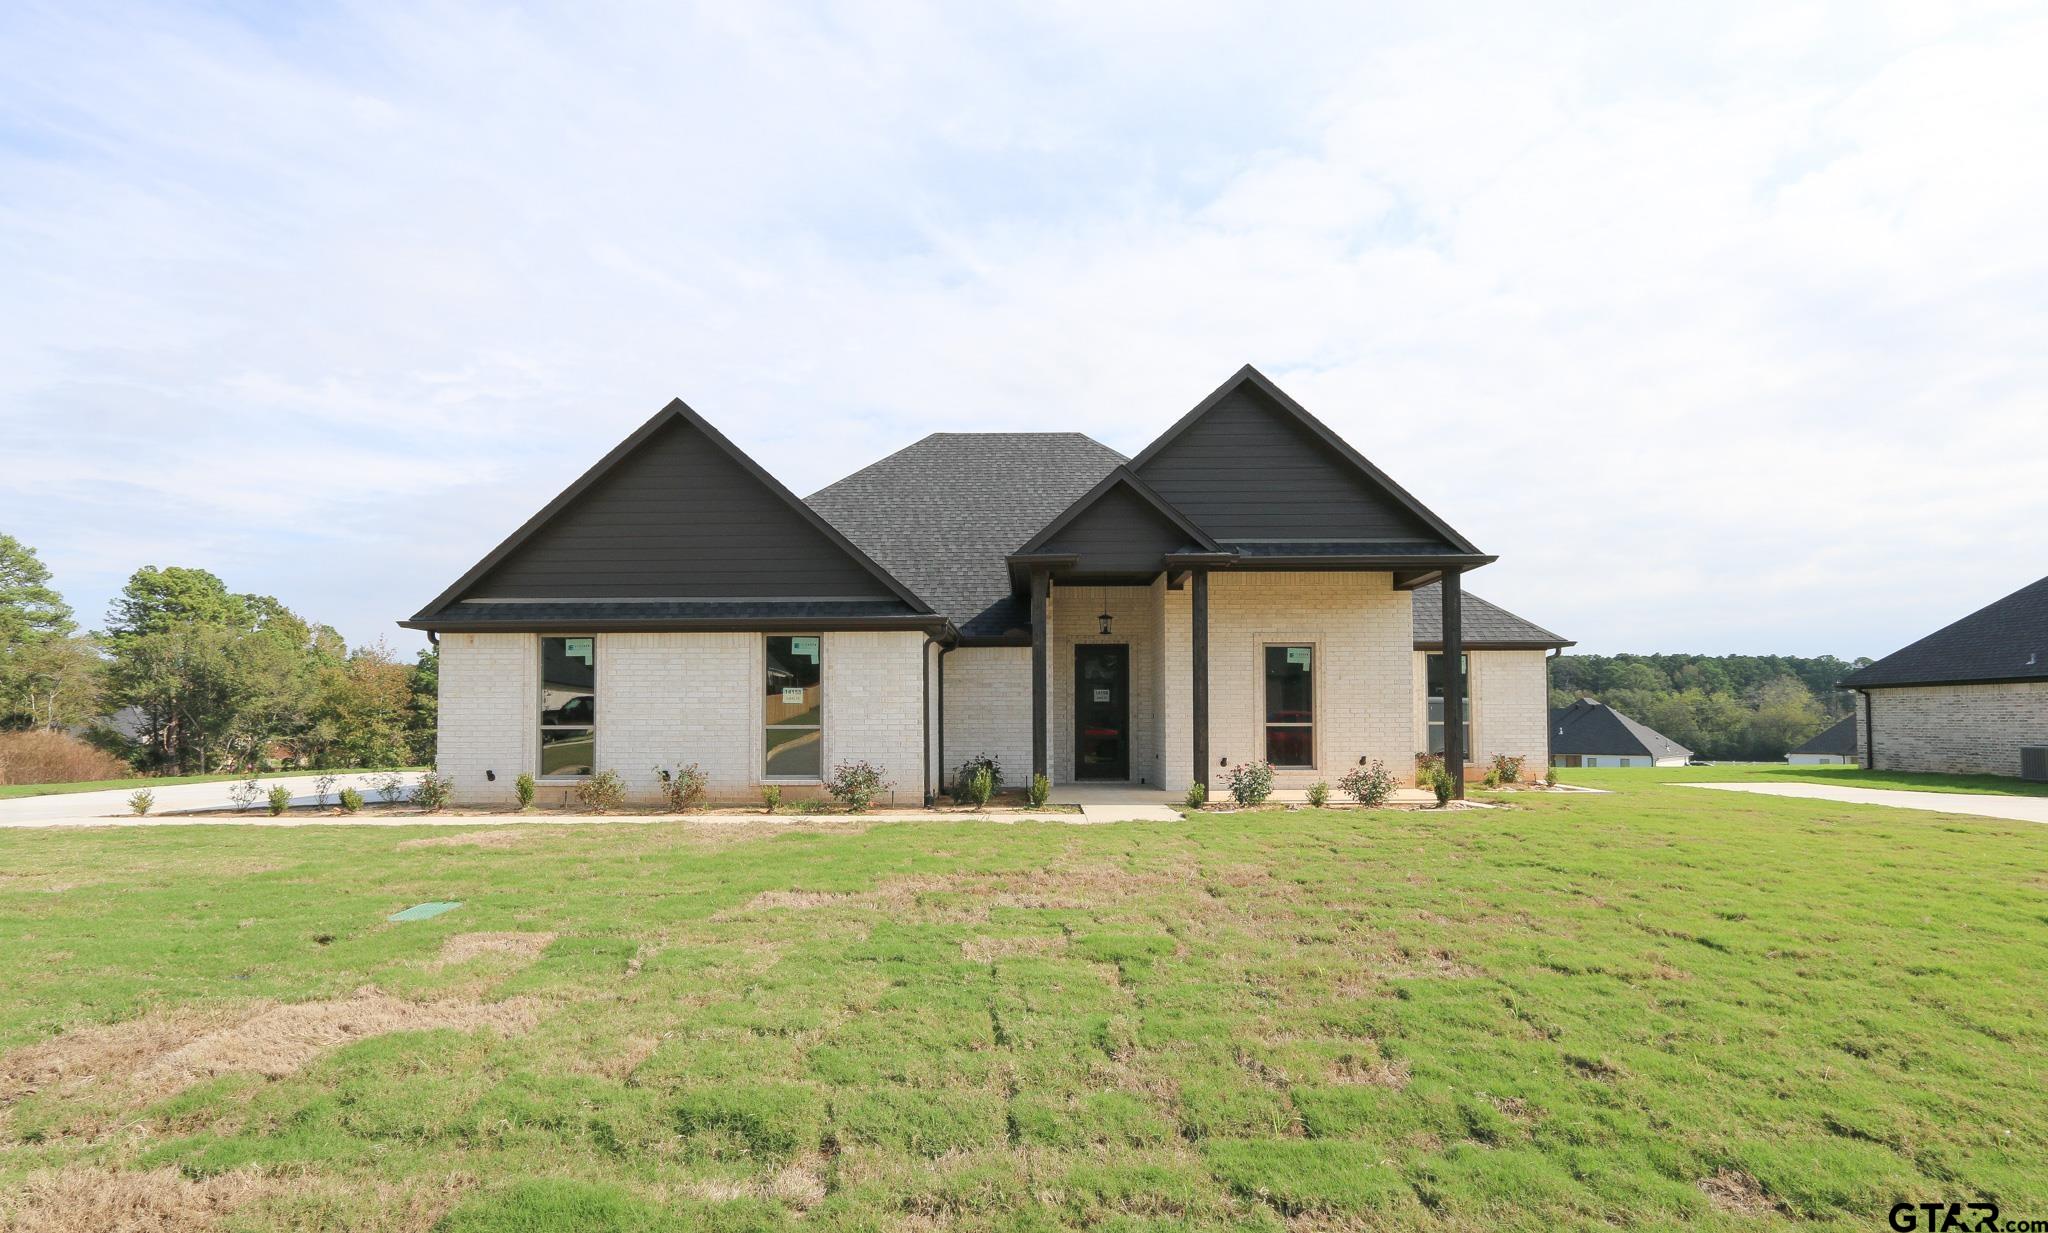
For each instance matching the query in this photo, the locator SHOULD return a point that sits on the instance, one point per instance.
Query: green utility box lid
(423, 911)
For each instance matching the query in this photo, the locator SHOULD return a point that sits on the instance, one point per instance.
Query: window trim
(1431, 726)
(1315, 704)
(764, 727)
(540, 660)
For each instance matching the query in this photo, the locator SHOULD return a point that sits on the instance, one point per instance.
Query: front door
(1102, 712)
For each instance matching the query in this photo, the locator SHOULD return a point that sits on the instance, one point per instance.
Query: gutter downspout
(1869, 733)
(1549, 729)
(924, 713)
(943, 652)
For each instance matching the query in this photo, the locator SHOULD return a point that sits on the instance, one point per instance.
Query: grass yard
(14, 790)
(1661, 1006)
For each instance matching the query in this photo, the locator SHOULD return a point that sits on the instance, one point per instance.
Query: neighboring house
(1248, 586)
(1834, 747)
(1589, 733)
(1965, 699)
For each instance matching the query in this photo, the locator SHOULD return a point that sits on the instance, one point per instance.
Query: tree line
(188, 677)
(1735, 708)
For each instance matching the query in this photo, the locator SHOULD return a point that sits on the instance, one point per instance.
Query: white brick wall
(667, 700)
(1958, 729)
(988, 709)
(873, 696)
(1510, 692)
(1075, 621)
(490, 713)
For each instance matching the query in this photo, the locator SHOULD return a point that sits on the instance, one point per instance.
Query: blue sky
(1723, 328)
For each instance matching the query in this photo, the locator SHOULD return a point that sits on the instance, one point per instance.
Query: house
(1589, 733)
(1965, 699)
(1834, 747)
(1248, 586)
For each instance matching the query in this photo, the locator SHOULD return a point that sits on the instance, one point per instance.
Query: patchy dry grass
(1646, 1009)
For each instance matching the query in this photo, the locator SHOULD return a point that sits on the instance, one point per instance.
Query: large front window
(568, 706)
(1436, 705)
(794, 708)
(1290, 706)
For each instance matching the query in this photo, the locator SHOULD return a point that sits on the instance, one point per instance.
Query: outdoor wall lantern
(1103, 620)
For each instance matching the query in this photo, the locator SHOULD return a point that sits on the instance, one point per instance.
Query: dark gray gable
(1589, 727)
(1251, 464)
(677, 512)
(1839, 739)
(1120, 526)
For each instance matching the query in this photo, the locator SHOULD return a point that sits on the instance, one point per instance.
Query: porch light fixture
(1103, 621)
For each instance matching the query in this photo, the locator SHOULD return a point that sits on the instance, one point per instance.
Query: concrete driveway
(74, 808)
(2017, 808)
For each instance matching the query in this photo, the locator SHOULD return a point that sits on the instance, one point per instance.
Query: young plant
(1550, 777)
(433, 792)
(390, 785)
(1198, 794)
(322, 788)
(601, 792)
(979, 785)
(279, 800)
(1370, 785)
(810, 805)
(524, 786)
(1440, 783)
(771, 796)
(350, 800)
(1251, 783)
(1041, 791)
(963, 782)
(1318, 794)
(244, 794)
(684, 789)
(856, 784)
(1506, 769)
(141, 801)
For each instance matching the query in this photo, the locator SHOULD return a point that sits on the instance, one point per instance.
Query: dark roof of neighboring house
(1485, 624)
(1589, 727)
(2003, 641)
(943, 514)
(1839, 739)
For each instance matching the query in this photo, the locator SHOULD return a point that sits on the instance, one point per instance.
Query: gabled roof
(1838, 739)
(1132, 510)
(1486, 626)
(945, 512)
(674, 518)
(2002, 641)
(1589, 727)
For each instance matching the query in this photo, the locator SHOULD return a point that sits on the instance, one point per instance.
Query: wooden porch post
(1454, 681)
(1198, 709)
(1041, 582)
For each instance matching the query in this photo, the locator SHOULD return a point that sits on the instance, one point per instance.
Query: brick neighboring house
(1964, 699)
(1247, 586)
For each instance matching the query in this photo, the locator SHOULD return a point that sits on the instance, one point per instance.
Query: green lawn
(1571, 1012)
(9, 791)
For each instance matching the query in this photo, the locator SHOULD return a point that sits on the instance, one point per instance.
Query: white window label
(579, 648)
(806, 647)
(1102, 695)
(1298, 655)
(793, 694)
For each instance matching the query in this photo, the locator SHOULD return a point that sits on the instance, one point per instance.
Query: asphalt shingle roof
(1589, 727)
(2002, 641)
(1840, 739)
(1484, 624)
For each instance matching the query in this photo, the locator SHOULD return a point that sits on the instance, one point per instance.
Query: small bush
(1198, 794)
(1370, 785)
(350, 800)
(1506, 769)
(279, 799)
(244, 793)
(771, 796)
(390, 785)
(1491, 779)
(526, 789)
(683, 790)
(963, 780)
(978, 785)
(1438, 780)
(54, 757)
(1318, 794)
(1251, 783)
(322, 788)
(1550, 777)
(856, 784)
(141, 801)
(433, 792)
(810, 805)
(1041, 791)
(601, 792)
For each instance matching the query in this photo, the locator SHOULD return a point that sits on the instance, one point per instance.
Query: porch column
(1198, 710)
(1454, 681)
(1041, 583)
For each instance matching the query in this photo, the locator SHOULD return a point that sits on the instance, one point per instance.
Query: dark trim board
(933, 625)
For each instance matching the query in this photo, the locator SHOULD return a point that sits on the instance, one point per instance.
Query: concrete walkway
(112, 804)
(2017, 808)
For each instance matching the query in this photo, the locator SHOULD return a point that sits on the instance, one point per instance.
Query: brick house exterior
(1964, 700)
(1031, 596)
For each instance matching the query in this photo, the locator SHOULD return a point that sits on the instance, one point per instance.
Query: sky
(1722, 325)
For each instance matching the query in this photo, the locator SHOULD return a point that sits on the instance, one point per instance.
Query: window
(1627, 762)
(1290, 706)
(568, 706)
(794, 709)
(1436, 705)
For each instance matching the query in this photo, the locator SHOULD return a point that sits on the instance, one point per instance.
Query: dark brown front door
(1102, 712)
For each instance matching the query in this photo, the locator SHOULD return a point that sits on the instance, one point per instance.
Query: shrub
(279, 799)
(141, 801)
(1438, 780)
(1318, 794)
(1506, 769)
(771, 796)
(390, 785)
(810, 805)
(976, 786)
(1491, 779)
(963, 780)
(350, 800)
(683, 790)
(1370, 785)
(1198, 794)
(856, 784)
(321, 788)
(433, 792)
(1251, 783)
(244, 793)
(1041, 791)
(602, 791)
(1550, 777)
(54, 757)
(524, 786)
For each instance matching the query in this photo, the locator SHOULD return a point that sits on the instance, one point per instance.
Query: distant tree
(1719, 706)
(156, 599)
(38, 662)
(1785, 714)
(362, 710)
(423, 716)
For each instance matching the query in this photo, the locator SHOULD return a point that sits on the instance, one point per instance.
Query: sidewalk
(2017, 808)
